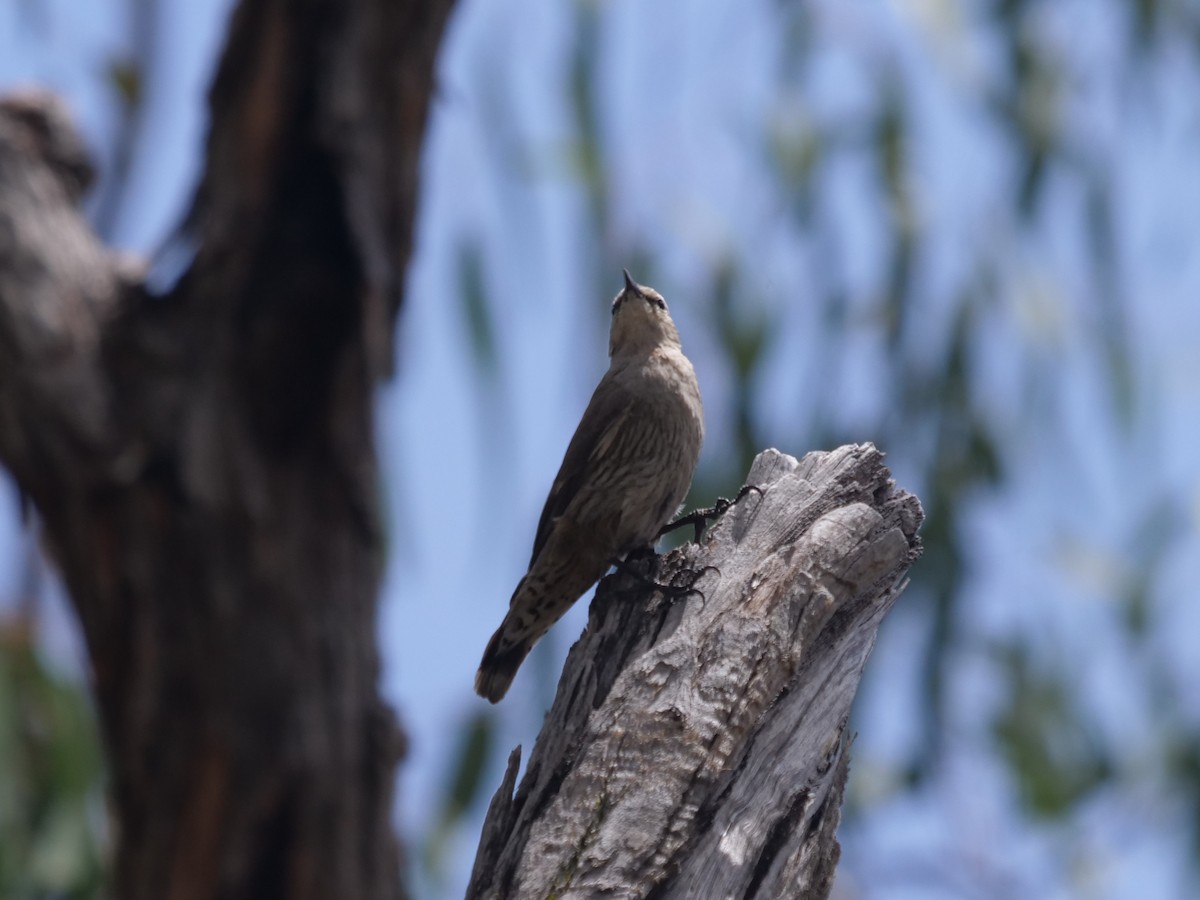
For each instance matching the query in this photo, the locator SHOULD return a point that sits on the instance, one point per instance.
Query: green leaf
(473, 293)
(1054, 754)
(476, 739)
(126, 79)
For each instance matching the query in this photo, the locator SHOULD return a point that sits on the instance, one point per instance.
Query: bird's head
(640, 321)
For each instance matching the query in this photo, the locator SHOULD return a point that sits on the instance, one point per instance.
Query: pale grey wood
(58, 287)
(697, 746)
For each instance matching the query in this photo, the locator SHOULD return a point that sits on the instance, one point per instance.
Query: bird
(626, 472)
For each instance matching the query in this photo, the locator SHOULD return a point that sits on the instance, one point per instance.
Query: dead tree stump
(697, 746)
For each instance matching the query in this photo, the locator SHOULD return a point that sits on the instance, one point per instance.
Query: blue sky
(468, 455)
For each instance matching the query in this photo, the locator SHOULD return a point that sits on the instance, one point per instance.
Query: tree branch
(58, 289)
(697, 747)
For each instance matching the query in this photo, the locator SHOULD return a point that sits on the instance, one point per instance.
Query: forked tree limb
(697, 747)
(203, 460)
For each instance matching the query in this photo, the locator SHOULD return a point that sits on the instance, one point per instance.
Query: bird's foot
(698, 519)
(682, 583)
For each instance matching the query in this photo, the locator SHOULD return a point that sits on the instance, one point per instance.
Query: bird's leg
(627, 564)
(637, 554)
(698, 519)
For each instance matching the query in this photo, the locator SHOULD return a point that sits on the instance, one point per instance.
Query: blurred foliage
(586, 83)
(1053, 753)
(476, 310)
(463, 788)
(936, 422)
(51, 806)
(744, 338)
(125, 78)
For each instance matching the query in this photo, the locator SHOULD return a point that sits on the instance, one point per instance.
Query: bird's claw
(671, 589)
(689, 586)
(698, 518)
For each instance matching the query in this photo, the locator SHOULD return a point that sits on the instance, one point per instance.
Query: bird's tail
(500, 662)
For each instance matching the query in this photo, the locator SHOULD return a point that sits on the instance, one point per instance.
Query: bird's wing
(599, 427)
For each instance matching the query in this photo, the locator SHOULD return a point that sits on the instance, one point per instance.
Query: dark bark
(203, 461)
(697, 747)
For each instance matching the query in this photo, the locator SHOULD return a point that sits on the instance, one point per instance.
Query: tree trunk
(203, 461)
(697, 747)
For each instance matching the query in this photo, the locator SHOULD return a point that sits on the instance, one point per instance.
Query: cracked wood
(698, 747)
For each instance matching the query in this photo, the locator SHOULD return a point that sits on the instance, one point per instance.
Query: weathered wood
(58, 289)
(697, 747)
(203, 462)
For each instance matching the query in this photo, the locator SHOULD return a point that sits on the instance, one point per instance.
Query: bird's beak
(630, 284)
